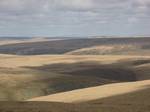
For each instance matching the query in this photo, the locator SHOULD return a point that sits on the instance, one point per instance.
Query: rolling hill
(34, 76)
(116, 49)
(94, 74)
(94, 93)
(69, 45)
(137, 101)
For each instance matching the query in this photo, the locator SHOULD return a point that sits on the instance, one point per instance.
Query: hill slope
(64, 46)
(34, 76)
(116, 49)
(138, 101)
(93, 93)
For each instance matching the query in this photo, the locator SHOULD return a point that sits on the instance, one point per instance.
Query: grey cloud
(72, 13)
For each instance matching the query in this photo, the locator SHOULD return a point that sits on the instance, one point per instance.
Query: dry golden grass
(38, 75)
(7, 42)
(14, 61)
(118, 49)
(104, 48)
(94, 93)
(137, 101)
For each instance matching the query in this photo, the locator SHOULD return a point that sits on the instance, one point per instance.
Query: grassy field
(74, 74)
(94, 93)
(131, 102)
(34, 76)
(83, 63)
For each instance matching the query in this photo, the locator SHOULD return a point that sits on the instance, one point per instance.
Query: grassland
(134, 46)
(34, 76)
(132, 102)
(75, 72)
(94, 93)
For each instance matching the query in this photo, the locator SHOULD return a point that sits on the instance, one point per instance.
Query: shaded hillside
(123, 70)
(64, 46)
(25, 84)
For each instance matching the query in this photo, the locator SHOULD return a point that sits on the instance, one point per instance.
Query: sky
(74, 18)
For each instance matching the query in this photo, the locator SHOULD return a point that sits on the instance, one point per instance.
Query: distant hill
(114, 49)
(69, 45)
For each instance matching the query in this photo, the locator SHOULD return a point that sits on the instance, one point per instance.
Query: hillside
(94, 93)
(34, 76)
(136, 102)
(17, 40)
(116, 49)
(68, 45)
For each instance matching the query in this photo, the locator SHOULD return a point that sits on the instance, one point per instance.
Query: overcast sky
(74, 17)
